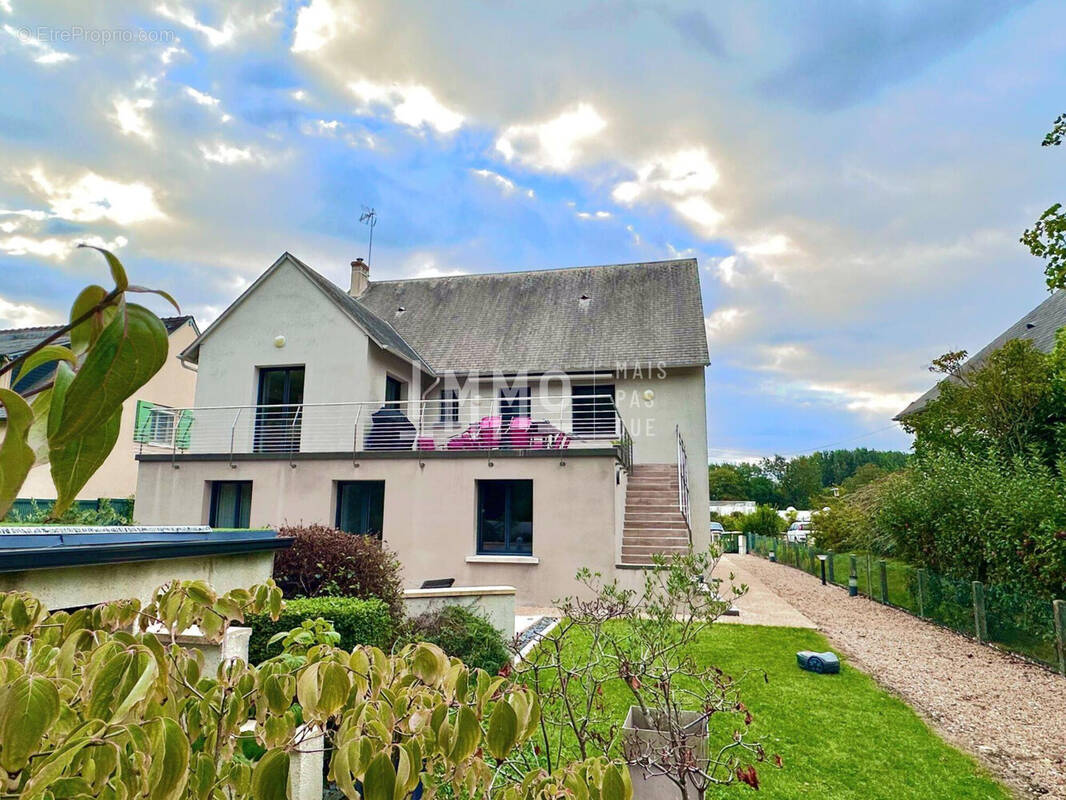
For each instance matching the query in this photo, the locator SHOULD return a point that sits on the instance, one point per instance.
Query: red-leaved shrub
(327, 562)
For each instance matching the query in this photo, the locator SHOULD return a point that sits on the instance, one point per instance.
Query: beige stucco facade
(174, 385)
(429, 509)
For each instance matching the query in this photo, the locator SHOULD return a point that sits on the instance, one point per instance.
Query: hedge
(357, 621)
(460, 633)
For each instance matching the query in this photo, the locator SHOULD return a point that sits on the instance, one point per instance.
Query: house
(498, 429)
(1039, 326)
(145, 415)
(724, 508)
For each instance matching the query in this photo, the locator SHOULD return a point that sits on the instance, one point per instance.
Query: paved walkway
(760, 605)
(1007, 712)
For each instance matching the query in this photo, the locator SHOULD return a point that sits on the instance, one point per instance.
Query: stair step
(654, 524)
(640, 550)
(654, 541)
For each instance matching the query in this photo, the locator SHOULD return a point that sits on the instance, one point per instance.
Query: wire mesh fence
(1032, 627)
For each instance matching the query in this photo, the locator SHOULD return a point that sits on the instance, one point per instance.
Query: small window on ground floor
(360, 506)
(505, 518)
(231, 504)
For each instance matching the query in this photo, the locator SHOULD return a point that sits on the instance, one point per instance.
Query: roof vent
(583, 301)
(400, 310)
(1030, 325)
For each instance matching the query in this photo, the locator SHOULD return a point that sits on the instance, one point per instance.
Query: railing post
(980, 622)
(1058, 611)
(921, 592)
(882, 567)
(853, 575)
(832, 557)
(869, 577)
(232, 436)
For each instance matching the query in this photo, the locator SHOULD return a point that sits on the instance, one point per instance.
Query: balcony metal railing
(682, 476)
(419, 426)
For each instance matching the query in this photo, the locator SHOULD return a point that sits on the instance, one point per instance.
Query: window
(393, 391)
(594, 411)
(278, 417)
(449, 406)
(360, 506)
(231, 504)
(505, 518)
(514, 403)
(154, 424)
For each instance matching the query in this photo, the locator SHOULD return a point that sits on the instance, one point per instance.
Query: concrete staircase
(653, 521)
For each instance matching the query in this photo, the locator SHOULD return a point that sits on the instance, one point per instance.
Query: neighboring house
(503, 429)
(1039, 326)
(726, 507)
(144, 415)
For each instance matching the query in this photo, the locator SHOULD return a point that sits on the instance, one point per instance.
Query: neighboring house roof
(381, 332)
(16, 341)
(1039, 326)
(571, 319)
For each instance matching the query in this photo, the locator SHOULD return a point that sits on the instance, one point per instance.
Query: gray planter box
(642, 738)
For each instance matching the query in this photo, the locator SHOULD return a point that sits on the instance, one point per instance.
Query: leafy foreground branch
(104, 703)
(690, 724)
(72, 422)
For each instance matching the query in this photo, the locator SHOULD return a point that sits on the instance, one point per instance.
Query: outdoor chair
(482, 435)
(518, 433)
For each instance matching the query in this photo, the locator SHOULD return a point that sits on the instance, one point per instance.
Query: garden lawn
(839, 736)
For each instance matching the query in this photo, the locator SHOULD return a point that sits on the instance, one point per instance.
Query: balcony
(456, 427)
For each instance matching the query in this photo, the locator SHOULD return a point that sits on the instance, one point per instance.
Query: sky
(852, 176)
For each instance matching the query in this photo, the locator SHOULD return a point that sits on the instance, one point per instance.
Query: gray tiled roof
(16, 341)
(378, 329)
(537, 321)
(1038, 326)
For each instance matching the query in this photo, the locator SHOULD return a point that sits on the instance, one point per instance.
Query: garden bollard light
(773, 556)
(853, 577)
(822, 559)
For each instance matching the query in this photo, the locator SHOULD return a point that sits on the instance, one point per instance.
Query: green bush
(357, 621)
(460, 633)
(327, 562)
(764, 521)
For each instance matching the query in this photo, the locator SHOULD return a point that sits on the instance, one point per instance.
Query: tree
(102, 702)
(726, 482)
(72, 421)
(1047, 238)
(1006, 404)
(802, 480)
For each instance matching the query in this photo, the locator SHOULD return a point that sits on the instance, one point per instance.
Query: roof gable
(1039, 326)
(578, 318)
(379, 331)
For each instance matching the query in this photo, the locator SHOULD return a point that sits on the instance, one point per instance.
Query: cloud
(215, 37)
(554, 144)
(411, 105)
(130, 118)
(681, 180)
(25, 315)
(723, 320)
(601, 215)
(504, 184)
(201, 98)
(865, 400)
(46, 54)
(54, 248)
(92, 198)
(318, 23)
(228, 154)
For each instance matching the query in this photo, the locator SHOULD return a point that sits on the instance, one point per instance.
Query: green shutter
(182, 435)
(143, 419)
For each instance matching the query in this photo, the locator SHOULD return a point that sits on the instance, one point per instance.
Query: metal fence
(1033, 628)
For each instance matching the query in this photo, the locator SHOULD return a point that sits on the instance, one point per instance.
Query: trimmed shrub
(460, 633)
(327, 562)
(357, 621)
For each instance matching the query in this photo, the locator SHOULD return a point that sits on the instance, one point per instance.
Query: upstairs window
(231, 504)
(505, 518)
(393, 391)
(449, 406)
(594, 411)
(514, 403)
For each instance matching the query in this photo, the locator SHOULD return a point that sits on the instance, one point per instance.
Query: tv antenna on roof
(369, 217)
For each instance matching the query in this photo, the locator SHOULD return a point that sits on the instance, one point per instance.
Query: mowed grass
(839, 736)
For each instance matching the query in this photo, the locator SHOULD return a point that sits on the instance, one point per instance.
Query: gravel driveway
(1010, 714)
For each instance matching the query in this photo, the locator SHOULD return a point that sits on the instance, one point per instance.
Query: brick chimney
(360, 278)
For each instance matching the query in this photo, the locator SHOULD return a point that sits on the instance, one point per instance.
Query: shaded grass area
(839, 736)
